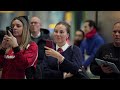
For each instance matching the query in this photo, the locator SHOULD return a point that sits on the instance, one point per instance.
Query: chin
(16, 35)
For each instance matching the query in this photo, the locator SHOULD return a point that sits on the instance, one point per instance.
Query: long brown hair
(26, 39)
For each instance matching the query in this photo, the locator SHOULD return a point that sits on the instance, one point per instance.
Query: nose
(32, 24)
(117, 33)
(14, 27)
(58, 33)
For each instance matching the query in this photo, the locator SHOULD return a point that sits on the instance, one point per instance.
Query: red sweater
(14, 68)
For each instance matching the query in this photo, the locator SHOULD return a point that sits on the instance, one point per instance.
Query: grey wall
(106, 19)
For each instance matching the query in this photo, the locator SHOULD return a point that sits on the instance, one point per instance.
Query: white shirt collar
(63, 47)
(36, 36)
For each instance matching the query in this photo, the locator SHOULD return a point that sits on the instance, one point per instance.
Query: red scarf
(91, 33)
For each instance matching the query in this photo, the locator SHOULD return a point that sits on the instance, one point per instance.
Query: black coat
(107, 52)
(45, 34)
(73, 61)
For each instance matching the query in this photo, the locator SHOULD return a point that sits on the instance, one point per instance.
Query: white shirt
(36, 36)
(63, 47)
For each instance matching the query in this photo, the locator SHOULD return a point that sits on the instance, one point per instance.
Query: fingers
(6, 38)
(106, 69)
(47, 48)
(10, 34)
(48, 52)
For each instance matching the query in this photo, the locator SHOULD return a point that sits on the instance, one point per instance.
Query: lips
(117, 39)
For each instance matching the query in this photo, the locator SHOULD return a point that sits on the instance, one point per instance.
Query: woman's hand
(11, 40)
(67, 75)
(53, 53)
(4, 44)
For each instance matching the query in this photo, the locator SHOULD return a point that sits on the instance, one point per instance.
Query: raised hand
(11, 40)
(53, 53)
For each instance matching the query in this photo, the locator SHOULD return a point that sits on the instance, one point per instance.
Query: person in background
(2, 33)
(16, 52)
(64, 60)
(39, 35)
(79, 37)
(91, 43)
(108, 52)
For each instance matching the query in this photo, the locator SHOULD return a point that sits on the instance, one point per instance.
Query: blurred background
(103, 19)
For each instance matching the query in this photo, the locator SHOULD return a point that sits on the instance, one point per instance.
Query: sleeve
(49, 73)
(26, 59)
(98, 43)
(74, 64)
(82, 50)
(94, 67)
(2, 52)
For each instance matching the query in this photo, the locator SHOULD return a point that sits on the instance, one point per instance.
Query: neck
(61, 44)
(18, 40)
(91, 33)
(35, 34)
(116, 44)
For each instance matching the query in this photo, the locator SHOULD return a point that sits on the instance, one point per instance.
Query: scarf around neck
(91, 33)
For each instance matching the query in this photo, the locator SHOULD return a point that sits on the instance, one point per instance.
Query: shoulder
(106, 46)
(32, 44)
(83, 42)
(98, 37)
(45, 31)
(74, 48)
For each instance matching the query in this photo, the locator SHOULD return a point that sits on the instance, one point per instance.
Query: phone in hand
(49, 43)
(9, 28)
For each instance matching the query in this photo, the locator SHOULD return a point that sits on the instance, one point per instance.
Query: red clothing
(14, 68)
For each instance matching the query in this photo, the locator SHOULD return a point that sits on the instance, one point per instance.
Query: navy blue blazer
(51, 69)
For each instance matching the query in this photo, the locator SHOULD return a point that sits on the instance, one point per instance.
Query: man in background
(39, 35)
(91, 43)
(79, 37)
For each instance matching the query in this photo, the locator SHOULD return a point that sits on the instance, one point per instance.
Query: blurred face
(116, 34)
(17, 28)
(35, 24)
(86, 27)
(78, 35)
(60, 34)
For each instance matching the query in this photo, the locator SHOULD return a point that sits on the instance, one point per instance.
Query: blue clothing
(90, 45)
(73, 61)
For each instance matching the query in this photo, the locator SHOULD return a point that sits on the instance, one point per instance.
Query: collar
(63, 47)
(39, 34)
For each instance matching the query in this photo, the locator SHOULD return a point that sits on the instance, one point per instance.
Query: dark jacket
(73, 61)
(107, 52)
(41, 42)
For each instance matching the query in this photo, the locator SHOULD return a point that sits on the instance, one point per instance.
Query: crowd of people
(27, 51)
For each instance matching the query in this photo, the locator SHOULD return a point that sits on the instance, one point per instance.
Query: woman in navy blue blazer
(65, 64)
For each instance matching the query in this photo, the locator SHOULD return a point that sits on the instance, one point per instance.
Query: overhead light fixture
(7, 11)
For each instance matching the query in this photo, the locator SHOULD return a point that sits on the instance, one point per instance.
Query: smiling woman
(64, 61)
